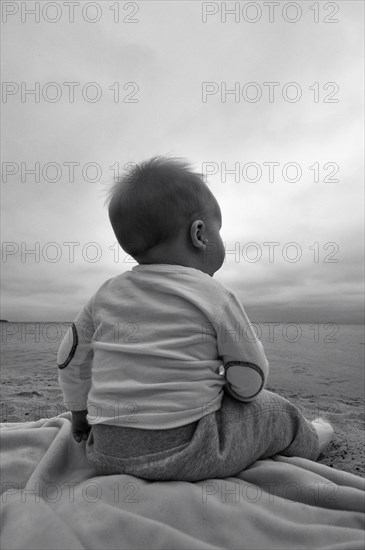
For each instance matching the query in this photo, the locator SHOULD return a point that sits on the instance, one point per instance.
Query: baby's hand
(80, 426)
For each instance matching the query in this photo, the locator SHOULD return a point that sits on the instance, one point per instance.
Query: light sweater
(155, 347)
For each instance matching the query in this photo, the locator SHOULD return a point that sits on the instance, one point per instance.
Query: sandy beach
(311, 377)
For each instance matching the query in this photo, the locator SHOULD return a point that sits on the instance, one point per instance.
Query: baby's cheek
(222, 252)
(223, 249)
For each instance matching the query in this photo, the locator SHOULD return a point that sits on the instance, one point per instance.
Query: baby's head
(163, 212)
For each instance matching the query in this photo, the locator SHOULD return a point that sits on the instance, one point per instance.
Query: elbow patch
(68, 347)
(246, 379)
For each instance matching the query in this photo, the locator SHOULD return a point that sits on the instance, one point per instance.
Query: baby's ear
(197, 234)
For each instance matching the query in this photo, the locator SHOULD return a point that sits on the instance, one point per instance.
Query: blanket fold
(52, 499)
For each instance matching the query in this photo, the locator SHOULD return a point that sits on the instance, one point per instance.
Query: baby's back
(155, 353)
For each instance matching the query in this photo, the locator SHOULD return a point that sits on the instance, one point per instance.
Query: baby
(161, 369)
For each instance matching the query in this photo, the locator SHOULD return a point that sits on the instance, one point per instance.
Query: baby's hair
(154, 201)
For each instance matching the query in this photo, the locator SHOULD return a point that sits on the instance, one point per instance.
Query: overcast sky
(296, 144)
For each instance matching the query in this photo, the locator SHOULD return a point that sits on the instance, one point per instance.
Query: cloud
(169, 54)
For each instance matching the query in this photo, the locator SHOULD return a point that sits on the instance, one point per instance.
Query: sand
(347, 449)
(41, 397)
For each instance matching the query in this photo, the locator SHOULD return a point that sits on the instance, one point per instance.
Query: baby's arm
(246, 366)
(74, 370)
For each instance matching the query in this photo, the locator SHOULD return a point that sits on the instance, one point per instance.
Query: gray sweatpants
(221, 444)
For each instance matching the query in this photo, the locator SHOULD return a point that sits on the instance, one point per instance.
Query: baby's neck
(172, 255)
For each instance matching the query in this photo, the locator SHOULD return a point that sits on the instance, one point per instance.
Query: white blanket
(52, 499)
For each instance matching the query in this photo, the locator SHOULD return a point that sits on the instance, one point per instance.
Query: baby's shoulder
(217, 291)
(111, 284)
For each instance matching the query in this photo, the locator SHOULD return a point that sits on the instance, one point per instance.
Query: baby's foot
(325, 432)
